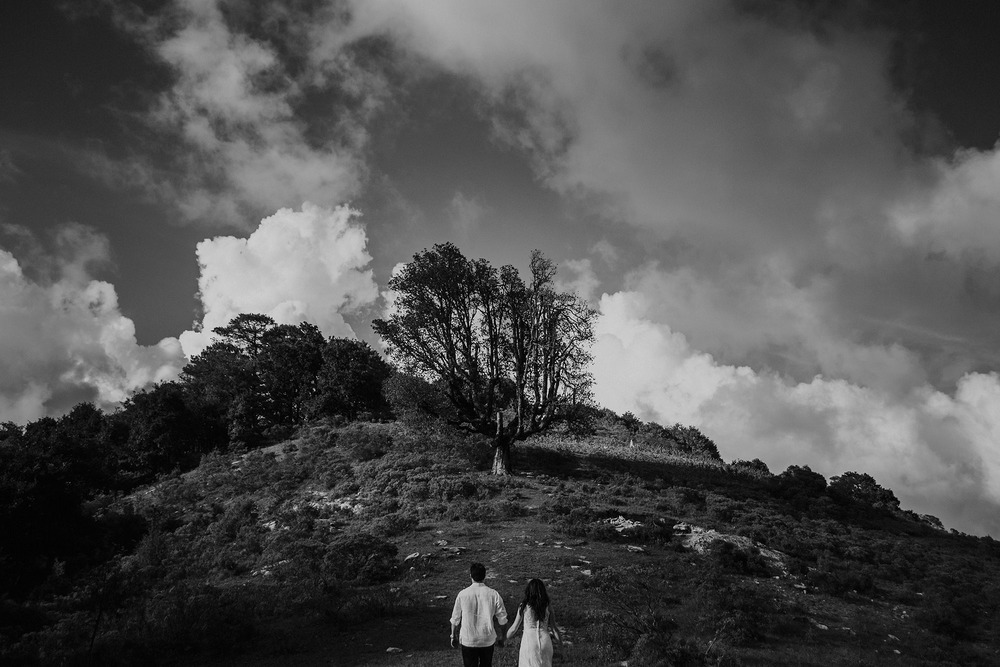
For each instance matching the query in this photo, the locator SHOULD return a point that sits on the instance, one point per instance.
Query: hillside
(346, 541)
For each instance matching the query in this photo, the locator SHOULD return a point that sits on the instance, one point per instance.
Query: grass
(328, 516)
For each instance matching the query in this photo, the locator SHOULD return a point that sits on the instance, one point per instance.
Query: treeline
(250, 387)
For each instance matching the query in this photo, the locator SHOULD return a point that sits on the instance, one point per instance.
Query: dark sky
(787, 213)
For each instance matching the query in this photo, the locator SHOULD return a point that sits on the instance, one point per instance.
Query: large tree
(509, 356)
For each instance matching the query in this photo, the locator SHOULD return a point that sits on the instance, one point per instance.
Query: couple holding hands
(478, 606)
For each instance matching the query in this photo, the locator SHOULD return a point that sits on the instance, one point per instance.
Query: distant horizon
(785, 215)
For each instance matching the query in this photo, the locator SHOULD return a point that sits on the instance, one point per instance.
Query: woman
(536, 615)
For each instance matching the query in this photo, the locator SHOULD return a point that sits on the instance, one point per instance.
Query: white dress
(536, 644)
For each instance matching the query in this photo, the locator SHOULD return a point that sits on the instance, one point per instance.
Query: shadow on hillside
(603, 468)
(704, 476)
(419, 633)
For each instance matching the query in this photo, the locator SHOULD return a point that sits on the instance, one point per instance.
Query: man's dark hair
(478, 571)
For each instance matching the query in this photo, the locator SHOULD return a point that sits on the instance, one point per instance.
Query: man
(476, 607)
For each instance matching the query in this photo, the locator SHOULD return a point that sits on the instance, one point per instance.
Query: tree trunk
(501, 457)
(501, 450)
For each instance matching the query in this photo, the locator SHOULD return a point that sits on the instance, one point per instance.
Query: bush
(364, 445)
(799, 483)
(841, 579)
(362, 559)
(733, 559)
(756, 469)
(863, 489)
(396, 523)
(738, 614)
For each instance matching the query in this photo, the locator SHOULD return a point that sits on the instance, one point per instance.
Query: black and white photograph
(628, 333)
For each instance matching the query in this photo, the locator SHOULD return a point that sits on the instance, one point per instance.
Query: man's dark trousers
(477, 656)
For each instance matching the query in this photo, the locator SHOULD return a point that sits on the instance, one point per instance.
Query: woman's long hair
(536, 598)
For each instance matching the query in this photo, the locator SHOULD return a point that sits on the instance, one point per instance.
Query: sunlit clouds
(937, 452)
(63, 338)
(306, 265)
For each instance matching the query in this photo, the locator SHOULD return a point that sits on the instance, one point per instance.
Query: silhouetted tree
(511, 357)
(225, 383)
(163, 430)
(862, 488)
(351, 379)
(288, 359)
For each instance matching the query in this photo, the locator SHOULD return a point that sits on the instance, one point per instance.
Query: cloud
(937, 452)
(306, 265)
(233, 135)
(577, 276)
(465, 214)
(770, 159)
(958, 215)
(63, 338)
(9, 171)
(810, 288)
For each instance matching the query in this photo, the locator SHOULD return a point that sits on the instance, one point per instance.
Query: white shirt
(475, 608)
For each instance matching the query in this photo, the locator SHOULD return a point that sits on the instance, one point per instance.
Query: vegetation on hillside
(321, 530)
(290, 484)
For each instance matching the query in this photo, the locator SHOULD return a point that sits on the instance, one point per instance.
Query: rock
(585, 573)
(393, 649)
(634, 549)
(621, 524)
(682, 527)
(441, 543)
(415, 554)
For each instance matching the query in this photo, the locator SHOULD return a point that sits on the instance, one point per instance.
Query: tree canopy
(510, 356)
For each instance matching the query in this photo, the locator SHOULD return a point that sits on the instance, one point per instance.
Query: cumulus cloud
(305, 265)
(937, 452)
(63, 338)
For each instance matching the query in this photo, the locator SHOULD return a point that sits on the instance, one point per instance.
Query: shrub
(360, 558)
(639, 601)
(730, 558)
(841, 579)
(799, 483)
(863, 489)
(364, 445)
(756, 469)
(738, 614)
(396, 523)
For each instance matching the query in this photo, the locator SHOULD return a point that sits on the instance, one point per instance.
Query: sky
(786, 213)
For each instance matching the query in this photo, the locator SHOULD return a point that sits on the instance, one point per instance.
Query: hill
(348, 540)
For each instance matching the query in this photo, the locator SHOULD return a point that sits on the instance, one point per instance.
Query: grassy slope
(861, 588)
